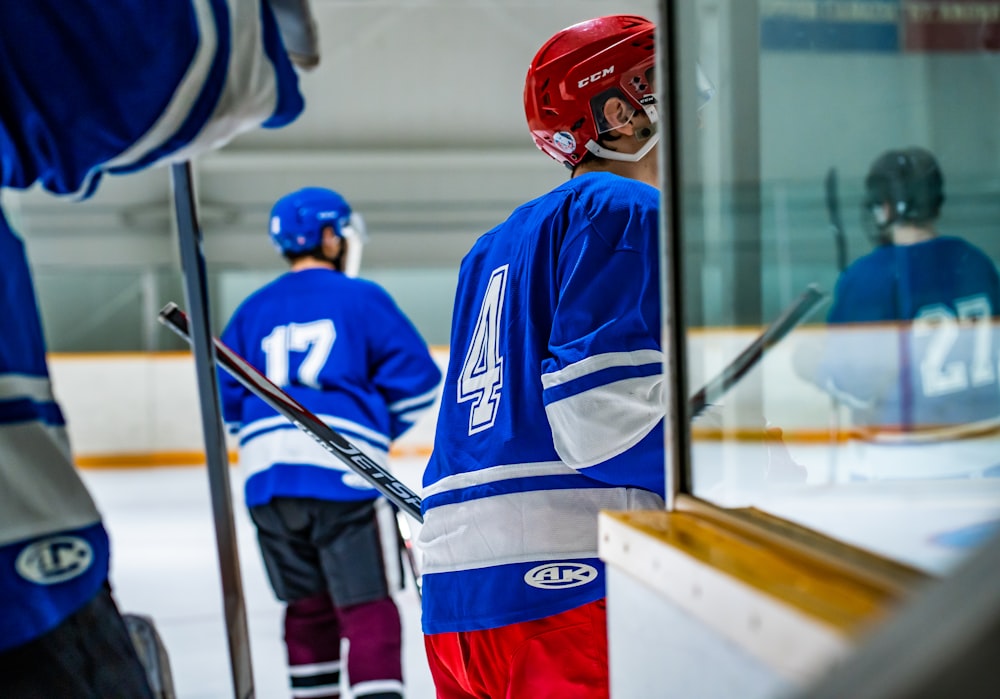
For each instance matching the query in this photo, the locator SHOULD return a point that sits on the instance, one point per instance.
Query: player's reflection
(912, 347)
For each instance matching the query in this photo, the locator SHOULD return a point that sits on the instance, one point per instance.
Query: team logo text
(558, 576)
(596, 76)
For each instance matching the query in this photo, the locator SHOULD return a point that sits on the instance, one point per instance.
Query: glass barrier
(853, 146)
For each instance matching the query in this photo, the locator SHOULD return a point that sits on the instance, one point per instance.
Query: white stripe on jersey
(605, 421)
(377, 439)
(293, 446)
(250, 85)
(407, 403)
(494, 474)
(184, 96)
(504, 528)
(250, 93)
(42, 491)
(599, 362)
(36, 388)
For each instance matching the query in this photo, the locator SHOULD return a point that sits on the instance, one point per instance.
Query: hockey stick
(840, 240)
(798, 311)
(836, 223)
(217, 458)
(406, 546)
(397, 493)
(335, 443)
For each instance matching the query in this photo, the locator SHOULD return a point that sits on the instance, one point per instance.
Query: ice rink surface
(164, 564)
(164, 560)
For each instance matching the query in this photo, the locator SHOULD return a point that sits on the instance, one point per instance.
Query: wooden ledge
(794, 599)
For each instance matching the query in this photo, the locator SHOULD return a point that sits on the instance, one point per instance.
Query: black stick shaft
(397, 493)
(836, 222)
(798, 311)
(328, 438)
(196, 290)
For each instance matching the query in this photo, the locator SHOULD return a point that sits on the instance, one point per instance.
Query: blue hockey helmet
(298, 219)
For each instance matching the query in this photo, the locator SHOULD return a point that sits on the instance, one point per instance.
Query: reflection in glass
(877, 422)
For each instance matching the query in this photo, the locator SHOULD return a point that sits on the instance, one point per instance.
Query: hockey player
(552, 404)
(88, 88)
(342, 348)
(913, 346)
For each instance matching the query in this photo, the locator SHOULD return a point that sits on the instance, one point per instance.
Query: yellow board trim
(144, 460)
(807, 572)
(196, 458)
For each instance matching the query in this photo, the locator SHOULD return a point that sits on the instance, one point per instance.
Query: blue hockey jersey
(118, 85)
(89, 88)
(551, 409)
(913, 338)
(53, 548)
(343, 349)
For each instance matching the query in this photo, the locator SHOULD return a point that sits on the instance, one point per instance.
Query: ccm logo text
(596, 76)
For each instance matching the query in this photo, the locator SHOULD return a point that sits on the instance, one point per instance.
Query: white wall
(145, 406)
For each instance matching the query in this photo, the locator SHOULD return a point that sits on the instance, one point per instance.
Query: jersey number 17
(315, 339)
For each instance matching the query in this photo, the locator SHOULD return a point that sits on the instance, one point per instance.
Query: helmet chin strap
(607, 154)
(650, 134)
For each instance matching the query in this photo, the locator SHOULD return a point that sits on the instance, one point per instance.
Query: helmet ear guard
(354, 235)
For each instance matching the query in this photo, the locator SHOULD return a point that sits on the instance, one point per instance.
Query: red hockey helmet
(575, 73)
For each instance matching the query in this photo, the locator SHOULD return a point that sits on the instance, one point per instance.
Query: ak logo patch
(559, 576)
(54, 560)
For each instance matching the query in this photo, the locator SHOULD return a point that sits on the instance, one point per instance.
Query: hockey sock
(312, 638)
(374, 661)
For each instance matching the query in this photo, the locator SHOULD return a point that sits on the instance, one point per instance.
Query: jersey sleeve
(231, 391)
(603, 382)
(403, 370)
(116, 86)
(861, 345)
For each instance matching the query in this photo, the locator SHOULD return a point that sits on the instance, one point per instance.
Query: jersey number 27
(481, 377)
(939, 375)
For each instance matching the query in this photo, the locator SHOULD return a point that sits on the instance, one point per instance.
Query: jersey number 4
(315, 339)
(482, 371)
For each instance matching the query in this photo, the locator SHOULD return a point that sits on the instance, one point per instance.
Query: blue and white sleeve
(602, 386)
(232, 392)
(404, 371)
(121, 85)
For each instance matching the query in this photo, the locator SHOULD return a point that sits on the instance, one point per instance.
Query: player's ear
(618, 114)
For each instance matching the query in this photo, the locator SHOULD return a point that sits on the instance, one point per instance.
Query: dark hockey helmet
(298, 219)
(910, 181)
(574, 74)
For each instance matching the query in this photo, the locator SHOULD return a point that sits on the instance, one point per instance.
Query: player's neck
(645, 170)
(310, 263)
(911, 235)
